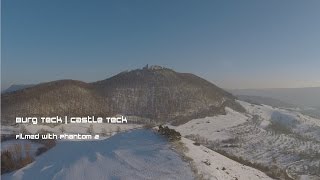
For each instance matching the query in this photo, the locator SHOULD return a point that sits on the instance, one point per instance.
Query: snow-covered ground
(213, 127)
(214, 166)
(268, 113)
(265, 135)
(137, 154)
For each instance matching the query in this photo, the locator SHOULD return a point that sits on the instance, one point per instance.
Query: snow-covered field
(214, 166)
(265, 135)
(213, 127)
(137, 154)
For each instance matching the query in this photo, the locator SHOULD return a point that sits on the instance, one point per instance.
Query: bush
(41, 150)
(149, 125)
(48, 144)
(272, 171)
(23, 130)
(62, 129)
(13, 158)
(16, 151)
(118, 129)
(199, 140)
(171, 134)
(104, 132)
(196, 143)
(7, 162)
(90, 129)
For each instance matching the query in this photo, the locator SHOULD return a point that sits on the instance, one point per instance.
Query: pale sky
(234, 44)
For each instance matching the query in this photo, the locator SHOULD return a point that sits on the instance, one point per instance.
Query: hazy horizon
(266, 88)
(236, 45)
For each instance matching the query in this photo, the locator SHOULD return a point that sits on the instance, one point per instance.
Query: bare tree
(118, 129)
(104, 132)
(62, 129)
(23, 130)
(90, 129)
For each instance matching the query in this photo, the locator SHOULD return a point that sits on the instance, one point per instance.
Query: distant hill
(154, 92)
(17, 87)
(305, 100)
(309, 97)
(265, 100)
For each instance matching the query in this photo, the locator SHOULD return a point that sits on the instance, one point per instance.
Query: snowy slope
(214, 166)
(265, 135)
(268, 113)
(139, 154)
(213, 127)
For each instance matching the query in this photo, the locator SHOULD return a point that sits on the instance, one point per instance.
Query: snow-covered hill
(264, 136)
(138, 154)
(213, 128)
